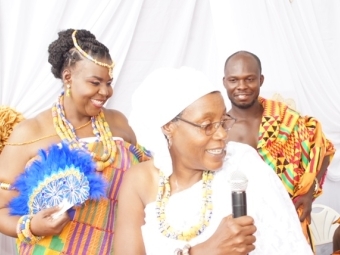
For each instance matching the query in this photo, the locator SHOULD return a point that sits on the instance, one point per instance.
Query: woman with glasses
(180, 201)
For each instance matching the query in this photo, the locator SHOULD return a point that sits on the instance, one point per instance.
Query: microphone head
(238, 181)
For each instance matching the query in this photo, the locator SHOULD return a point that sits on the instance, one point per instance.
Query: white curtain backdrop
(296, 40)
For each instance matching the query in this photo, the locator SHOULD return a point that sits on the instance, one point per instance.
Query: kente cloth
(91, 230)
(278, 227)
(293, 146)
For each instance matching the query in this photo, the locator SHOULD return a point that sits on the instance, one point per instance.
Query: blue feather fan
(60, 174)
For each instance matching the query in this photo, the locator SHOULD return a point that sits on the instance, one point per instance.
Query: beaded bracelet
(184, 251)
(5, 186)
(316, 187)
(24, 232)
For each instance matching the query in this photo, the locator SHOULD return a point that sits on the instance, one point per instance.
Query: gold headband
(110, 67)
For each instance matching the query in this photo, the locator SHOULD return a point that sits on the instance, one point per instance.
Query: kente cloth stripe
(91, 230)
(292, 145)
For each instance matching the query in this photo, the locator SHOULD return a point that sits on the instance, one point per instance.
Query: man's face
(242, 80)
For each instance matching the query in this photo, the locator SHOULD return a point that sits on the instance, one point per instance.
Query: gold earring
(68, 90)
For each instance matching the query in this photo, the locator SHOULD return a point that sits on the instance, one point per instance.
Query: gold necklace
(100, 128)
(44, 137)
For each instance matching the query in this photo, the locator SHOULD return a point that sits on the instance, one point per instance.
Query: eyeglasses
(209, 129)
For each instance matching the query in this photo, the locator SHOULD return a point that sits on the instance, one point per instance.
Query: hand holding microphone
(235, 234)
(238, 184)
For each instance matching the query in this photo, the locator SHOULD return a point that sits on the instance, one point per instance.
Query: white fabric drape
(296, 40)
(28, 27)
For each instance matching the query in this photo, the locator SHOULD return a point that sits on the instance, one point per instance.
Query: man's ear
(261, 80)
(223, 81)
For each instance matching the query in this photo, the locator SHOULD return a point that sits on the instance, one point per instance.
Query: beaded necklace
(101, 130)
(163, 196)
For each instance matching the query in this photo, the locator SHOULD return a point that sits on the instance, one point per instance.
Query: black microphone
(238, 184)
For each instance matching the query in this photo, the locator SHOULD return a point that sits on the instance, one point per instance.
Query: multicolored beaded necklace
(163, 196)
(101, 130)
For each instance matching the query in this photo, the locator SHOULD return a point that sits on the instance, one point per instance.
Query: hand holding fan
(60, 176)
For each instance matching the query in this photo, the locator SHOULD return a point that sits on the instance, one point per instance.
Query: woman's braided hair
(62, 53)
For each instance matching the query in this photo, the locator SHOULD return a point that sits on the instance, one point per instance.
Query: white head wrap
(164, 94)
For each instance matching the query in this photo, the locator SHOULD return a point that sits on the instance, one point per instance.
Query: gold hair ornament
(110, 67)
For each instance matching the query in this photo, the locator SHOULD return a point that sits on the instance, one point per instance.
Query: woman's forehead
(90, 68)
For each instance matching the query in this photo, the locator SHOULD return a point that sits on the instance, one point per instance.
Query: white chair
(321, 223)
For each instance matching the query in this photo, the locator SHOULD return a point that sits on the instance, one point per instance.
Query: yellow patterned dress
(294, 146)
(91, 230)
